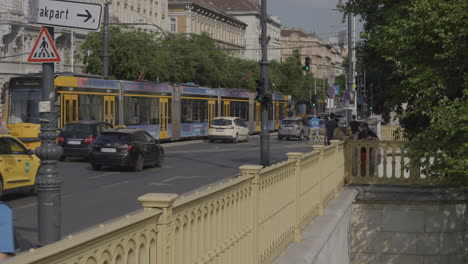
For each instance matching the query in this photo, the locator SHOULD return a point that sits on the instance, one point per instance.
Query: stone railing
(390, 132)
(248, 219)
(385, 163)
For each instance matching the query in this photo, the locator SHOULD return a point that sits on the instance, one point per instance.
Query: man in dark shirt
(366, 133)
(330, 125)
(354, 125)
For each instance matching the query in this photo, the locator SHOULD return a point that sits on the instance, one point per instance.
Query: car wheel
(96, 166)
(301, 137)
(247, 138)
(211, 140)
(1, 188)
(138, 164)
(280, 138)
(160, 160)
(236, 139)
(62, 158)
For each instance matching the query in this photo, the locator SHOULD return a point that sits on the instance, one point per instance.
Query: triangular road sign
(44, 49)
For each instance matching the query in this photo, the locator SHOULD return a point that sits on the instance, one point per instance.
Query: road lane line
(25, 206)
(105, 174)
(159, 184)
(117, 183)
(180, 177)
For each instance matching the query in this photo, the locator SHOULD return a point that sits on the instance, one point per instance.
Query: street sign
(337, 89)
(44, 49)
(331, 79)
(314, 122)
(331, 91)
(65, 14)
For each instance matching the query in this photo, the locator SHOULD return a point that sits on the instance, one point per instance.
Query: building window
(173, 25)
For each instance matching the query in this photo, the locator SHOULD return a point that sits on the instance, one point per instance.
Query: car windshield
(78, 128)
(221, 122)
(113, 137)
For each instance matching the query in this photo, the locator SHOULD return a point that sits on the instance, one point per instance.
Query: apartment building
(197, 17)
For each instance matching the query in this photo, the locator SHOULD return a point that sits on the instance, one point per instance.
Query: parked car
(76, 136)
(132, 148)
(18, 165)
(294, 127)
(228, 128)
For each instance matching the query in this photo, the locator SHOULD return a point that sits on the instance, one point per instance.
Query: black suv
(76, 136)
(131, 148)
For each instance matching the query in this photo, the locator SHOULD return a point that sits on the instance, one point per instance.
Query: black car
(131, 148)
(76, 136)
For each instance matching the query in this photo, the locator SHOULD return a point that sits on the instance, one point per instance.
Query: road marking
(117, 183)
(180, 177)
(26, 206)
(159, 184)
(105, 174)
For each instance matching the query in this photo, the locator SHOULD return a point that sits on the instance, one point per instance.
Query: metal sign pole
(264, 132)
(48, 182)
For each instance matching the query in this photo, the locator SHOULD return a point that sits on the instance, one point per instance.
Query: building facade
(326, 60)
(197, 17)
(248, 11)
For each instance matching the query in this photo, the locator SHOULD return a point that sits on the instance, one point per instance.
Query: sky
(311, 15)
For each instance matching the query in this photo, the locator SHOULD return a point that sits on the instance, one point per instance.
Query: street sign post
(65, 14)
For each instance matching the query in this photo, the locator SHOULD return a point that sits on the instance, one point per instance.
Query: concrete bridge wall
(409, 225)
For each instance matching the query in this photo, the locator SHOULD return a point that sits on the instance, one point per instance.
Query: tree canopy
(416, 55)
(194, 58)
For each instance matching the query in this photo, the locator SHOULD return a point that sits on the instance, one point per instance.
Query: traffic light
(370, 108)
(306, 64)
(260, 90)
(314, 100)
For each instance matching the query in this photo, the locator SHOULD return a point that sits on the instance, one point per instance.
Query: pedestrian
(330, 126)
(7, 241)
(354, 125)
(367, 134)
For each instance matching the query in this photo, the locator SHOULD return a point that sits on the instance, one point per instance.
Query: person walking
(354, 125)
(330, 126)
(7, 241)
(367, 134)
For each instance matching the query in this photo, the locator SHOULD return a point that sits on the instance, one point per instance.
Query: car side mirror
(30, 152)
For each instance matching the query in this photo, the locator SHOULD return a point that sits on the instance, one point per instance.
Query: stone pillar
(163, 201)
(296, 156)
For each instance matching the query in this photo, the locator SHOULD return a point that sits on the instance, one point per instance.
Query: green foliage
(194, 58)
(417, 49)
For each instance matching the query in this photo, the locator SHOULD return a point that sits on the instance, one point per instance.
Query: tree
(419, 47)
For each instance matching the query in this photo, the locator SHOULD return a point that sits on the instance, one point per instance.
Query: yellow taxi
(18, 165)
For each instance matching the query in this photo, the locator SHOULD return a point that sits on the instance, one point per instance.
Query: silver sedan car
(294, 127)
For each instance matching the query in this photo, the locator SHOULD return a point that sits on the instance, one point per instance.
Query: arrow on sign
(88, 15)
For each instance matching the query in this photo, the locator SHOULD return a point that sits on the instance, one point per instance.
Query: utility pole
(264, 132)
(350, 76)
(48, 182)
(105, 43)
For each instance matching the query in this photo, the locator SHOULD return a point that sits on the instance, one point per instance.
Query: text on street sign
(65, 14)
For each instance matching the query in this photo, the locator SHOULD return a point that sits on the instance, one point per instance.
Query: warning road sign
(44, 49)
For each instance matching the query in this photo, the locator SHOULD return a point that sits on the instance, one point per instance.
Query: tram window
(24, 107)
(141, 110)
(194, 111)
(90, 107)
(240, 109)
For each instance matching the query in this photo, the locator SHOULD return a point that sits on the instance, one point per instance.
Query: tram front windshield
(24, 103)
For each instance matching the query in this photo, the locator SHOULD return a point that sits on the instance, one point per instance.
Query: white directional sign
(65, 14)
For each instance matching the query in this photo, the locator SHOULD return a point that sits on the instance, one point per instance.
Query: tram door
(109, 109)
(257, 116)
(211, 110)
(163, 118)
(227, 108)
(69, 108)
(277, 116)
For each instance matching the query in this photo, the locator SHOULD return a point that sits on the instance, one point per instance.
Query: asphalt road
(92, 197)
